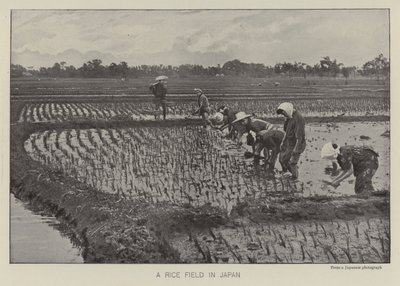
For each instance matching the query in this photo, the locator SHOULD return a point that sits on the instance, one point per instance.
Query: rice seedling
(348, 227)
(304, 235)
(377, 253)
(366, 233)
(348, 254)
(313, 239)
(327, 106)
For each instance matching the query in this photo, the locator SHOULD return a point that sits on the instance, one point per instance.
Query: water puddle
(36, 239)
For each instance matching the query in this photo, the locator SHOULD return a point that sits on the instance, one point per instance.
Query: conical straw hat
(240, 116)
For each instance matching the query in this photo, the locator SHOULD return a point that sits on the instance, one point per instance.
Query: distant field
(59, 100)
(225, 86)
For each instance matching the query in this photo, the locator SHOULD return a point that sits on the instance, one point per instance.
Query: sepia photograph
(200, 136)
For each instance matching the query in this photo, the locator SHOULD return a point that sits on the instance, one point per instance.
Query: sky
(206, 37)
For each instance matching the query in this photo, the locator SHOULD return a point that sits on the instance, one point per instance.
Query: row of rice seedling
(44, 112)
(181, 165)
(359, 241)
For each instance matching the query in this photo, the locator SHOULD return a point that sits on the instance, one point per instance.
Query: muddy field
(134, 189)
(194, 166)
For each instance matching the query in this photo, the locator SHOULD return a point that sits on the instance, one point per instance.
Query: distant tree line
(378, 67)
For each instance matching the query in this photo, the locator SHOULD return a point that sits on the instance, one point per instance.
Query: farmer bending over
(228, 118)
(361, 161)
(204, 108)
(159, 90)
(244, 123)
(269, 141)
(294, 142)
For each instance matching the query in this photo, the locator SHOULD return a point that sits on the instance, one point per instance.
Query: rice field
(139, 111)
(191, 165)
(360, 241)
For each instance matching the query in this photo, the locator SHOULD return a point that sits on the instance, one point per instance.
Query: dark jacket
(295, 130)
(204, 106)
(255, 125)
(269, 139)
(230, 116)
(360, 158)
(159, 90)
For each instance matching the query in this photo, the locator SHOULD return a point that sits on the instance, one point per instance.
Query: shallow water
(35, 238)
(195, 166)
(312, 169)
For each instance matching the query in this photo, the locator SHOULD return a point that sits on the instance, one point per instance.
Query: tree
(55, 70)
(347, 71)
(378, 67)
(278, 68)
(17, 70)
(92, 68)
(113, 69)
(70, 71)
(123, 69)
(330, 67)
(300, 69)
(234, 67)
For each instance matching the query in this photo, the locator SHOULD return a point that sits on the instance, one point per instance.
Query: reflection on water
(35, 239)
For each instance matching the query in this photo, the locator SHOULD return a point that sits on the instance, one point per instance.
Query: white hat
(240, 116)
(287, 107)
(198, 90)
(161, 77)
(329, 152)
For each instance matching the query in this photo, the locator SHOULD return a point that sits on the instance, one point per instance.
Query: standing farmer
(361, 161)
(204, 107)
(159, 90)
(294, 142)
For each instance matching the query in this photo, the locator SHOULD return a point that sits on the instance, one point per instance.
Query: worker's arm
(345, 162)
(239, 135)
(341, 177)
(224, 126)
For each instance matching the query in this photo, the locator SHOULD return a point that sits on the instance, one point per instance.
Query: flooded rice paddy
(195, 166)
